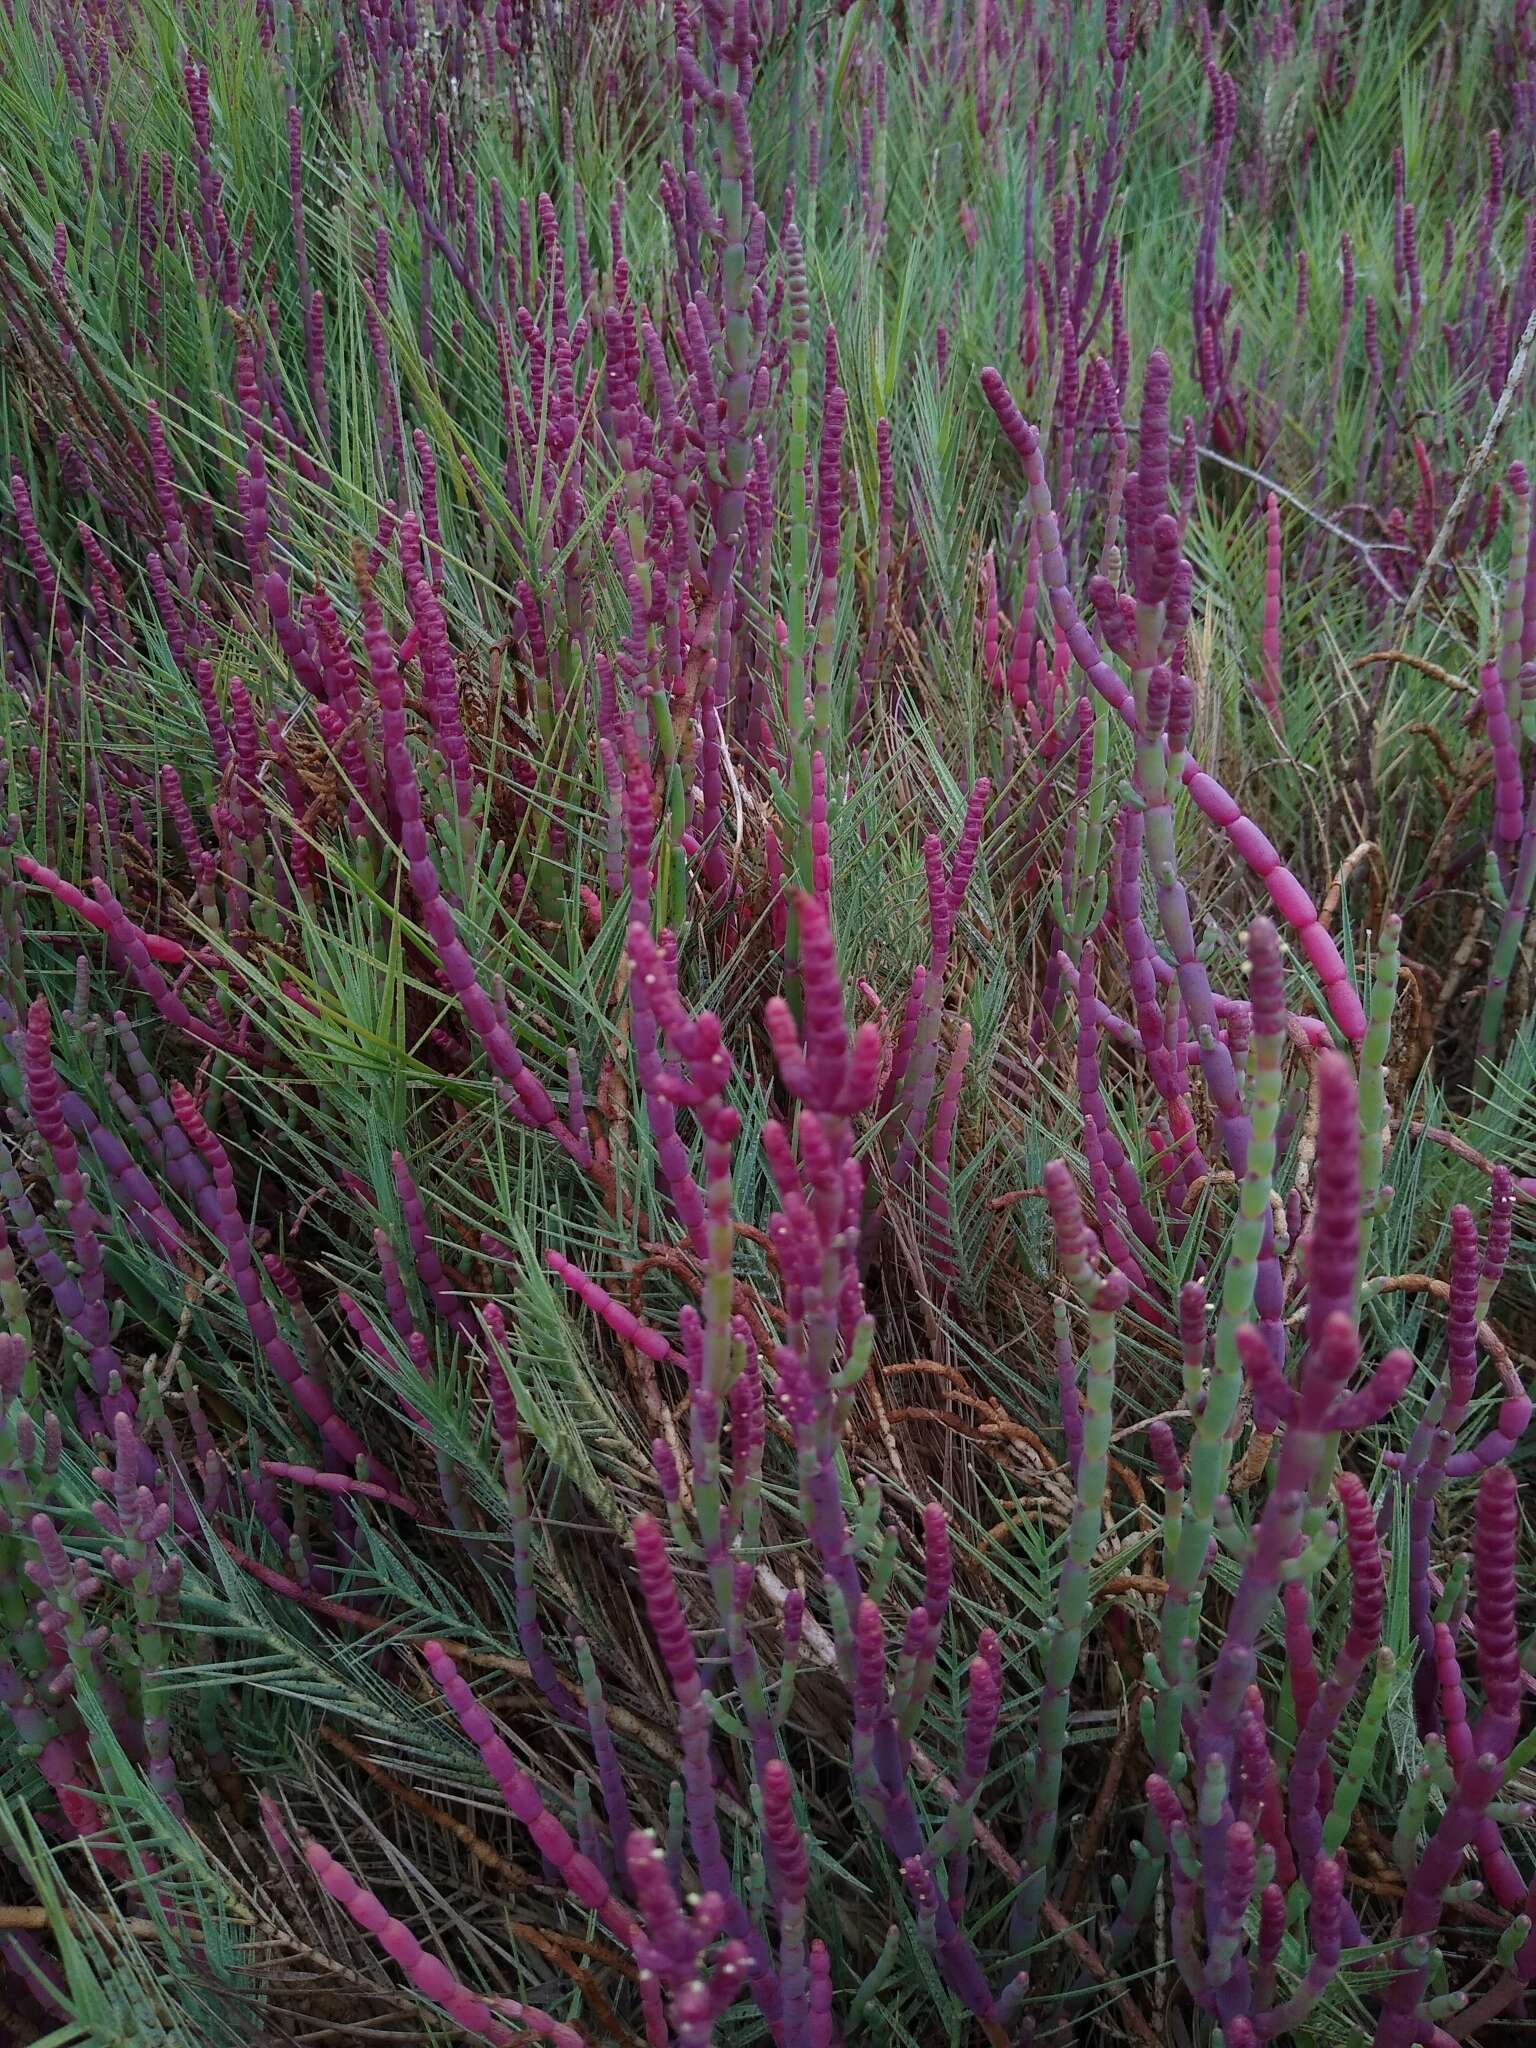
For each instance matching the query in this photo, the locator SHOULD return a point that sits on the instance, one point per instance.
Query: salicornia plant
(767, 837)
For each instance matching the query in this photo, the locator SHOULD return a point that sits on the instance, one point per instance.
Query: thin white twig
(737, 802)
(1369, 548)
(1475, 467)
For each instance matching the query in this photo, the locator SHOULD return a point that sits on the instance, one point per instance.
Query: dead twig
(1524, 1191)
(552, 1945)
(1367, 852)
(1401, 656)
(1093, 1827)
(39, 1919)
(1427, 1283)
(484, 1854)
(1368, 549)
(1474, 469)
(1053, 1916)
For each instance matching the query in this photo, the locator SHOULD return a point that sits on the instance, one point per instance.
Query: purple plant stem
(1100, 1140)
(425, 1973)
(1423, 1469)
(92, 1322)
(1306, 1778)
(134, 1190)
(1290, 900)
(525, 1089)
(668, 1625)
(530, 1632)
(1423, 1903)
(429, 1267)
(308, 1395)
(1304, 1452)
(1503, 740)
(580, 1876)
(940, 1177)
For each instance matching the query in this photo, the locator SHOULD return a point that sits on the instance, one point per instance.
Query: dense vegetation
(767, 1084)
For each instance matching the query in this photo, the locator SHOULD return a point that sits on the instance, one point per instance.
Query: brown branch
(1393, 1888)
(1426, 1283)
(39, 1919)
(1469, 1154)
(1416, 661)
(1093, 1828)
(1461, 802)
(1368, 550)
(952, 1373)
(490, 1858)
(1251, 1465)
(1038, 1507)
(1426, 731)
(1366, 851)
(1054, 1918)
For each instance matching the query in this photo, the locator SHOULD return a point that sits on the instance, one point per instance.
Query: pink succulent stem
(166, 951)
(432, 1978)
(582, 1878)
